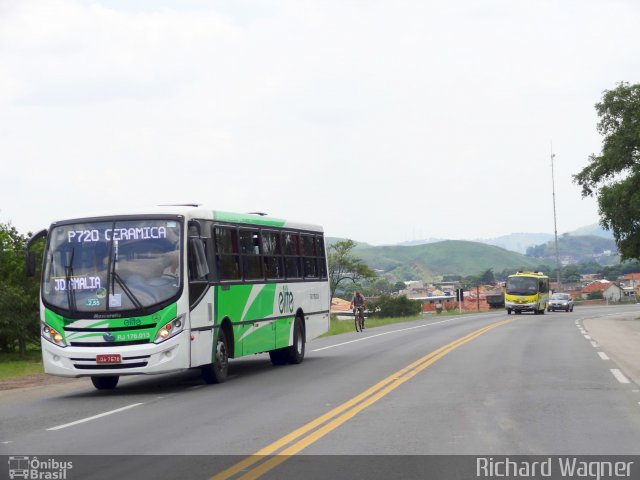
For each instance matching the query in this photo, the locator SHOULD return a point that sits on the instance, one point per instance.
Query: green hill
(450, 257)
(593, 230)
(576, 249)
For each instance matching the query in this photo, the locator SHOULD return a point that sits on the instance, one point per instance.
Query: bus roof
(529, 274)
(195, 211)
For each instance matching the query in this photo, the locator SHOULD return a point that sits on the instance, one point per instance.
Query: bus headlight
(169, 330)
(52, 335)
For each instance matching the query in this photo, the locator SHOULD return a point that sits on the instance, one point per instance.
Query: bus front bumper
(521, 307)
(169, 356)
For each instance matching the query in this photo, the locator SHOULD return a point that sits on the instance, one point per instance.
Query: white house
(613, 293)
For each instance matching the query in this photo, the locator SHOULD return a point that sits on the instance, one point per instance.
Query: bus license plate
(109, 358)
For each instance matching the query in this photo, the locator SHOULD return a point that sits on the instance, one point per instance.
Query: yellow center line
(339, 415)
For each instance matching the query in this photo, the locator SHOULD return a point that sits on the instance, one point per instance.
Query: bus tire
(278, 357)
(295, 353)
(105, 383)
(217, 371)
(508, 311)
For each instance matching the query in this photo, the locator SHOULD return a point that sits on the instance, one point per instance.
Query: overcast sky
(383, 121)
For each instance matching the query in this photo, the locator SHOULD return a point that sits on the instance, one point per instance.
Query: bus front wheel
(217, 371)
(105, 383)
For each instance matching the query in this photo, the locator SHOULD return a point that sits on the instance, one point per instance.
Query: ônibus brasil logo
(36, 469)
(285, 300)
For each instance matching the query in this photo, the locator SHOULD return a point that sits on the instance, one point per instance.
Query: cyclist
(358, 305)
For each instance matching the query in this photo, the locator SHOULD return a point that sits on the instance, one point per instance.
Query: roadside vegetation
(19, 310)
(338, 327)
(17, 365)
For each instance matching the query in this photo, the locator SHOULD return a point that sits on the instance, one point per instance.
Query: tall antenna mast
(555, 223)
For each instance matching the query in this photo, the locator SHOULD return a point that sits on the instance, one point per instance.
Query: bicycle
(359, 318)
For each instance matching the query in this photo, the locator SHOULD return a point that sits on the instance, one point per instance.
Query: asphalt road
(486, 384)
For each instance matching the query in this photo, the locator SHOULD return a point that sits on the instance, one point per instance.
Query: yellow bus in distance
(527, 292)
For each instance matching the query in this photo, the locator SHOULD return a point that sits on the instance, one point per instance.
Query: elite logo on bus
(285, 300)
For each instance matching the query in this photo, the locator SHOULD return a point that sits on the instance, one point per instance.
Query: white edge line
(619, 375)
(88, 419)
(381, 334)
(594, 344)
(603, 356)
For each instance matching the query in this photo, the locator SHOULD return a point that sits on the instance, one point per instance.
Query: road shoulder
(619, 338)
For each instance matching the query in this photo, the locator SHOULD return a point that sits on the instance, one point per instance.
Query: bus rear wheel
(278, 357)
(105, 383)
(295, 353)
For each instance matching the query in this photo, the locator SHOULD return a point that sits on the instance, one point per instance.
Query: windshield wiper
(68, 275)
(125, 289)
(112, 277)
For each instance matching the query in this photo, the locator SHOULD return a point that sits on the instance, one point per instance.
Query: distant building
(614, 293)
(590, 278)
(414, 285)
(629, 293)
(593, 287)
(631, 280)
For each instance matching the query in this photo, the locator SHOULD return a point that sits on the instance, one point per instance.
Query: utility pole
(555, 223)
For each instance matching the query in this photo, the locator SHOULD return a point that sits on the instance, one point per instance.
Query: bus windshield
(522, 286)
(112, 266)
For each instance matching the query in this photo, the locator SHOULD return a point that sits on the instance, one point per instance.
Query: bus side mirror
(30, 257)
(30, 264)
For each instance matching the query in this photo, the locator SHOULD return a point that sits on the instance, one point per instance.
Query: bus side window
(227, 258)
(198, 263)
(272, 255)
(198, 266)
(310, 262)
(250, 251)
(291, 243)
(322, 262)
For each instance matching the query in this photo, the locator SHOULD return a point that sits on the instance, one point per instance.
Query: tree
(487, 277)
(400, 306)
(344, 266)
(613, 177)
(570, 274)
(19, 318)
(382, 286)
(470, 281)
(399, 286)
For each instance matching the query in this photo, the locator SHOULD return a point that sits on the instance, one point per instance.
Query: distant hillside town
(441, 296)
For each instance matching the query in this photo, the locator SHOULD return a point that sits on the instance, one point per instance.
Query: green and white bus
(178, 287)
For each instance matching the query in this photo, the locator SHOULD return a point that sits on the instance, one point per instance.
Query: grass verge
(337, 327)
(14, 365)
